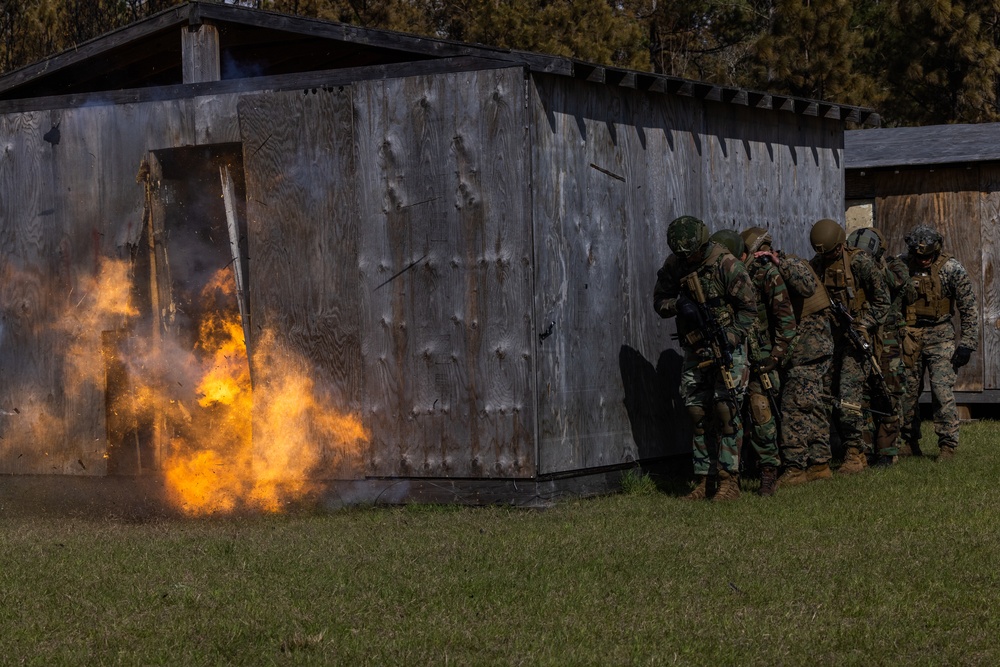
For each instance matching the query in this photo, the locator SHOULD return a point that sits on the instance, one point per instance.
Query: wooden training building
(947, 177)
(462, 240)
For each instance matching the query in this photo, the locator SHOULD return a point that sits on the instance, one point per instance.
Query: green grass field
(890, 567)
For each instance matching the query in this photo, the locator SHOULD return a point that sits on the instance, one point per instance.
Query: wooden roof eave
(194, 13)
(304, 81)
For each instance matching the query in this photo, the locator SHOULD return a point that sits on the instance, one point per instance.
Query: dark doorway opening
(194, 233)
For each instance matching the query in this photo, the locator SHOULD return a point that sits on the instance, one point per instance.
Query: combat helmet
(868, 239)
(686, 235)
(730, 240)
(755, 238)
(826, 235)
(923, 241)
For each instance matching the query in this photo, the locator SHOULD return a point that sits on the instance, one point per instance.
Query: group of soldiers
(780, 350)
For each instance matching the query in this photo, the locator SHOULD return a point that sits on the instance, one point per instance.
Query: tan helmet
(826, 235)
(730, 240)
(756, 238)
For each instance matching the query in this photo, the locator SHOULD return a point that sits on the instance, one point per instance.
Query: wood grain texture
(989, 208)
(446, 275)
(71, 204)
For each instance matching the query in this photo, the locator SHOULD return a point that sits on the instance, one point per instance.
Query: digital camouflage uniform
(805, 392)
(883, 429)
(929, 342)
(853, 278)
(730, 295)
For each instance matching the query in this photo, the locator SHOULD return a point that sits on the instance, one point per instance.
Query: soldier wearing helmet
(856, 284)
(884, 429)
(775, 327)
(701, 281)
(804, 439)
(942, 286)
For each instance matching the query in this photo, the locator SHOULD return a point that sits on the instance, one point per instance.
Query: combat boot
(700, 491)
(946, 454)
(854, 462)
(729, 487)
(910, 449)
(768, 481)
(884, 461)
(792, 477)
(819, 471)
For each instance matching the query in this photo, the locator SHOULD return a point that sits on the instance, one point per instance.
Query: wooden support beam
(200, 53)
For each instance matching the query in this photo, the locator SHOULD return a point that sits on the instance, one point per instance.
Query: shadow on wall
(656, 413)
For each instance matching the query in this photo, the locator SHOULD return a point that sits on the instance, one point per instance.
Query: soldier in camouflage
(805, 407)
(700, 284)
(941, 286)
(885, 428)
(856, 283)
(768, 346)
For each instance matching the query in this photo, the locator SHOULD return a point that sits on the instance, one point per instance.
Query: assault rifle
(881, 400)
(713, 333)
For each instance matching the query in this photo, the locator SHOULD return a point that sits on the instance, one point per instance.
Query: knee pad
(727, 414)
(697, 414)
(760, 409)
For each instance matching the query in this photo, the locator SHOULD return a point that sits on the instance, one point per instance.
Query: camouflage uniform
(805, 395)
(929, 342)
(730, 296)
(883, 429)
(897, 279)
(853, 279)
(774, 333)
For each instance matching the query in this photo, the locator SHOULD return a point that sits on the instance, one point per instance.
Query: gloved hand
(735, 340)
(961, 356)
(767, 364)
(687, 310)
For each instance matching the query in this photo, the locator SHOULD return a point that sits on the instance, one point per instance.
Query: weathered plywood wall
(962, 203)
(69, 205)
(611, 168)
(418, 207)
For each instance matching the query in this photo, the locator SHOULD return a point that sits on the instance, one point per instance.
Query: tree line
(916, 62)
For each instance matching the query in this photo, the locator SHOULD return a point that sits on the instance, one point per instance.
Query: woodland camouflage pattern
(774, 334)
(728, 289)
(897, 280)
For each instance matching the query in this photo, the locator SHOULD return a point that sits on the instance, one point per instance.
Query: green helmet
(923, 241)
(756, 238)
(686, 235)
(868, 239)
(826, 235)
(729, 240)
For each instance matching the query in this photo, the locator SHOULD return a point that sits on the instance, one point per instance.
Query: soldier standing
(805, 411)
(709, 292)
(897, 281)
(857, 292)
(941, 284)
(773, 334)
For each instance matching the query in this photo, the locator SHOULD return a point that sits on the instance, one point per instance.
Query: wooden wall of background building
(963, 203)
(68, 202)
(390, 242)
(611, 167)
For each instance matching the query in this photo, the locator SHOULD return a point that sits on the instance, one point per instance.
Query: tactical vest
(715, 295)
(804, 306)
(841, 285)
(931, 301)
